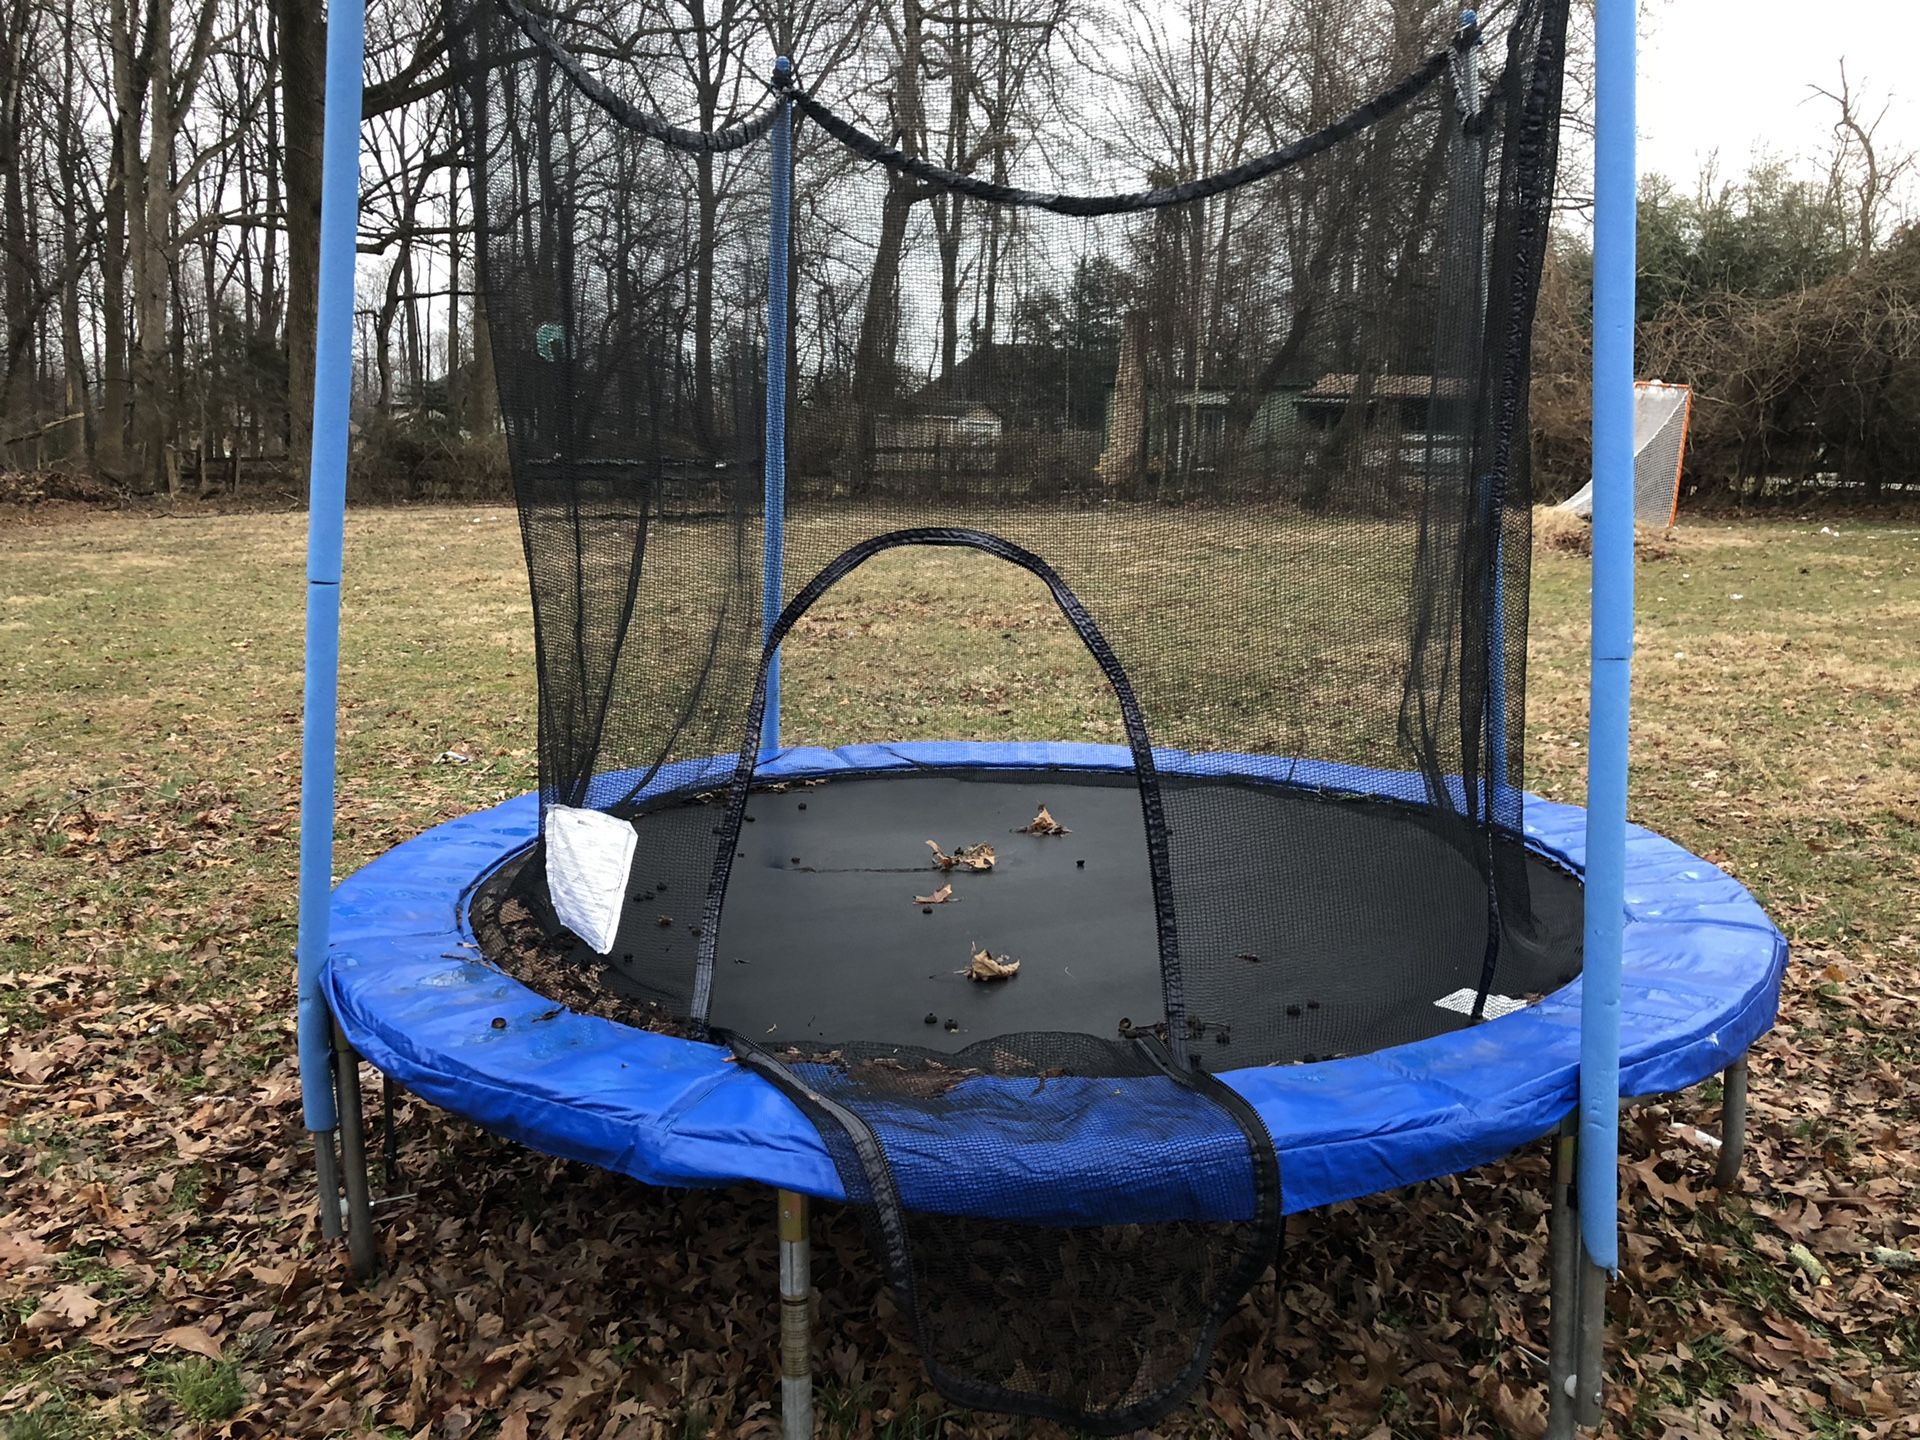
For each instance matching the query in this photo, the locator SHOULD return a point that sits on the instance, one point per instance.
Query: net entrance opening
(924, 644)
(887, 888)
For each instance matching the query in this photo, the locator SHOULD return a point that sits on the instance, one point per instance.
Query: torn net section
(1065, 1221)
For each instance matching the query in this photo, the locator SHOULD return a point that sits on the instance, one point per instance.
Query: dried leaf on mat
(967, 857)
(1044, 824)
(984, 967)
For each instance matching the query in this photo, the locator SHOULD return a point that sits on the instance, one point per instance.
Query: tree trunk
(383, 340)
(79, 395)
(1123, 463)
(16, 248)
(486, 395)
(703, 301)
(152, 219)
(873, 380)
(110, 455)
(124, 167)
(268, 310)
(213, 369)
(873, 354)
(708, 76)
(949, 211)
(456, 383)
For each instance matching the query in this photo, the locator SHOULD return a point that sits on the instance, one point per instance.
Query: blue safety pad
(1700, 982)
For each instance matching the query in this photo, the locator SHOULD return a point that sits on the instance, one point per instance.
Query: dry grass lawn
(160, 1271)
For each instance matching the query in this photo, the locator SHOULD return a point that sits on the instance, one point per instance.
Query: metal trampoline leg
(1590, 1352)
(796, 1319)
(1733, 1124)
(389, 1135)
(326, 1178)
(353, 1157)
(1563, 1267)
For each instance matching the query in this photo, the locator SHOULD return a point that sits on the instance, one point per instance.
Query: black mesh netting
(1217, 323)
(1019, 1301)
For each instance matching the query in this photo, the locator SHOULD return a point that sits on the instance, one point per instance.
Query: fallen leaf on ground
(193, 1338)
(66, 1305)
(32, 1066)
(21, 1251)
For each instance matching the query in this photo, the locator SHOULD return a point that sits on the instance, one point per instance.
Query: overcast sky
(1732, 76)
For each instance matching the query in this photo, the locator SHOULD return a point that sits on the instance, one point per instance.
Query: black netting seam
(1145, 773)
(1534, 159)
(882, 1200)
(729, 137)
(1269, 1212)
(886, 1217)
(1375, 110)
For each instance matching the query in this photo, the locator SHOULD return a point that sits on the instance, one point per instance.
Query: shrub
(427, 458)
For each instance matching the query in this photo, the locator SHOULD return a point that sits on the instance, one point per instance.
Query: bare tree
(1864, 172)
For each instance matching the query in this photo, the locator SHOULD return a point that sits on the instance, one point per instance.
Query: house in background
(1399, 402)
(956, 422)
(1157, 432)
(1400, 411)
(1118, 426)
(934, 430)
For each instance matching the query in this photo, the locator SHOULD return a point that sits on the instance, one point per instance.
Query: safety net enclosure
(1661, 416)
(1001, 286)
(1324, 341)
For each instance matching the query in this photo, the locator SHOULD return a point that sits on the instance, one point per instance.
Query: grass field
(160, 1271)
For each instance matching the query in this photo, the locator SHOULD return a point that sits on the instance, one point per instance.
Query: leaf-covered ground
(160, 1269)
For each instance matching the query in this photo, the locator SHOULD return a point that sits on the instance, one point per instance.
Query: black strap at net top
(729, 137)
(1274, 161)
(785, 88)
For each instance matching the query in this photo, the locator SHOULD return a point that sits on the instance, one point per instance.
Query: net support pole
(1615, 199)
(326, 523)
(774, 465)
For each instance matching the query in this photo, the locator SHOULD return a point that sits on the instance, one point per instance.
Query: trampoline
(1700, 982)
(1072, 1027)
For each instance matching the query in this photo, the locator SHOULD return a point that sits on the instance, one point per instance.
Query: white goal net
(1660, 416)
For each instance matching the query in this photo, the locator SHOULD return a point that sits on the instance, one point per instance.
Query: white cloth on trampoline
(589, 856)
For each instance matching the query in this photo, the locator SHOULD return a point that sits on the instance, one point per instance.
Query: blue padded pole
(1614, 219)
(326, 520)
(779, 246)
